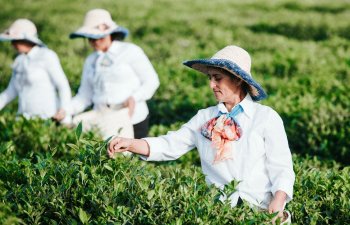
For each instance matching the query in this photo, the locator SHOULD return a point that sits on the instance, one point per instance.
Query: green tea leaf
(150, 194)
(83, 216)
(108, 167)
(73, 146)
(79, 130)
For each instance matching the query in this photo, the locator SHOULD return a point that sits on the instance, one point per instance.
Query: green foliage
(301, 55)
(321, 195)
(37, 136)
(7, 217)
(90, 188)
(79, 130)
(93, 189)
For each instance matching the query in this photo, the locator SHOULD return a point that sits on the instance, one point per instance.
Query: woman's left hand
(277, 204)
(130, 103)
(60, 114)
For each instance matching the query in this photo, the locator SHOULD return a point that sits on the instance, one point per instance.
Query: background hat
(236, 61)
(98, 23)
(22, 29)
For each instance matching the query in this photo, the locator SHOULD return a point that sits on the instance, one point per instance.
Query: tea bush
(91, 188)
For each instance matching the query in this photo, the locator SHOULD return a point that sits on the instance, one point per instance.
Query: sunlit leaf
(83, 216)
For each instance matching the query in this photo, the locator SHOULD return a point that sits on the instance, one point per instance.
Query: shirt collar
(33, 52)
(113, 49)
(247, 105)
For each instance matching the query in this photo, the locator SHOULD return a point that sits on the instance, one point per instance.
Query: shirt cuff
(69, 110)
(154, 152)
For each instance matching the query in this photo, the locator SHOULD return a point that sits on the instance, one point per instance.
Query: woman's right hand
(119, 144)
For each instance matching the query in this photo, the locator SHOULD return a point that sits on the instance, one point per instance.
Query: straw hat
(237, 62)
(22, 29)
(98, 23)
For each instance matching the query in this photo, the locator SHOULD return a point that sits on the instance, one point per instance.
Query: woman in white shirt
(37, 75)
(118, 74)
(238, 139)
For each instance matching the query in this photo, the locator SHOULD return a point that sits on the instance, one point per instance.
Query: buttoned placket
(102, 65)
(241, 119)
(97, 72)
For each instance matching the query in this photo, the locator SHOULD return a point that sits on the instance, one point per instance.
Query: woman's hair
(245, 87)
(117, 36)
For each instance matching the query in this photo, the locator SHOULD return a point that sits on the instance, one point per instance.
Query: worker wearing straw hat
(117, 79)
(237, 139)
(37, 75)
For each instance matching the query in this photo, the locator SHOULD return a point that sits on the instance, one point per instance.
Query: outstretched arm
(163, 148)
(9, 94)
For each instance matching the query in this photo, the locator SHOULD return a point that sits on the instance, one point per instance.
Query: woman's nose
(212, 83)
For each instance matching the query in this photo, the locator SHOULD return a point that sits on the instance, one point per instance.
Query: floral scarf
(221, 130)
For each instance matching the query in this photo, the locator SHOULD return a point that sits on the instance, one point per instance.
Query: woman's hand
(60, 115)
(119, 144)
(130, 103)
(277, 204)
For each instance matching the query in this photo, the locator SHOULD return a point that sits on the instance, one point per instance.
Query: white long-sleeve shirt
(261, 157)
(36, 78)
(113, 76)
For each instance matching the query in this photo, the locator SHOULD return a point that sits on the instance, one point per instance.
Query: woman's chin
(218, 96)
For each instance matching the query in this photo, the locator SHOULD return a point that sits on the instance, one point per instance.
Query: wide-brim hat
(234, 60)
(98, 23)
(22, 29)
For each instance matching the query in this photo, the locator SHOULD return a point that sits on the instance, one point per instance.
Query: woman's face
(22, 46)
(224, 86)
(101, 44)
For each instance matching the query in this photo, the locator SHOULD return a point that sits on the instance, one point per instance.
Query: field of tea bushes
(300, 53)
